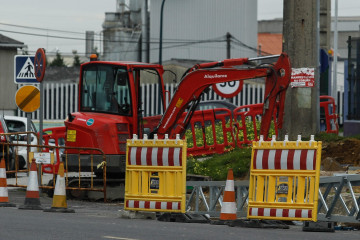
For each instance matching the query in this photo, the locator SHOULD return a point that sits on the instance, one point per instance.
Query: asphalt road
(98, 220)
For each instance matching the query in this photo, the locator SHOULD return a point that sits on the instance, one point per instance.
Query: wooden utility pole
(300, 42)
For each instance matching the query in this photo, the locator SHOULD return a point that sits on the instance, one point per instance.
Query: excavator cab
(106, 89)
(112, 107)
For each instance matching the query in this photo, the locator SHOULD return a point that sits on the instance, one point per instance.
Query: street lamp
(161, 30)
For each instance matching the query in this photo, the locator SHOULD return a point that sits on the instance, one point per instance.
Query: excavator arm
(202, 76)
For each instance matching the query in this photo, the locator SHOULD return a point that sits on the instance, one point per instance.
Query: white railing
(59, 100)
(62, 98)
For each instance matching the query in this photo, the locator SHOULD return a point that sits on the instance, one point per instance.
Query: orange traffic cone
(32, 199)
(59, 200)
(4, 197)
(228, 209)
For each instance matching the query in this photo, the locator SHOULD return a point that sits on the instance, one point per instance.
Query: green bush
(251, 131)
(326, 137)
(218, 165)
(219, 133)
(198, 129)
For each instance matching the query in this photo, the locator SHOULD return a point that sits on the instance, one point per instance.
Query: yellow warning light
(331, 52)
(93, 57)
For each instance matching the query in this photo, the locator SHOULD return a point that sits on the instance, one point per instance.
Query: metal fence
(79, 177)
(339, 198)
(62, 98)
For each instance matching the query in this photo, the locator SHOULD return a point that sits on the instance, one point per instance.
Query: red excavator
(112, 105)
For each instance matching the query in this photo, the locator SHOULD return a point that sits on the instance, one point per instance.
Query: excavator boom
(202, 76)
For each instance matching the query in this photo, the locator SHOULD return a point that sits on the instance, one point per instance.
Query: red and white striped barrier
(155, 156)
(284, 159)
(280, 213)
(153, 205)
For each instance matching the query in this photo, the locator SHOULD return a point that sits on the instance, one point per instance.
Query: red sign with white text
(302, 77)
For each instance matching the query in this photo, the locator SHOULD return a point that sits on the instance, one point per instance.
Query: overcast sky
(77, 16)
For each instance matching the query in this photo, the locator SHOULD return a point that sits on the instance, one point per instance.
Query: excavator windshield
(106, 89)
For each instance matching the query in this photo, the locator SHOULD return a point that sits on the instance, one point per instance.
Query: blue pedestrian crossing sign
(24, 69)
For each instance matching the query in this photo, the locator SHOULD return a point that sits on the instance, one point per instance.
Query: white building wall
(7, 85)
(189, 21)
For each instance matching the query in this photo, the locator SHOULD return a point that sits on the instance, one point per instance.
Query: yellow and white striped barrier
(284, 180)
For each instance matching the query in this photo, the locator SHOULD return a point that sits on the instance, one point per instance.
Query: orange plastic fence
(328, 104)
(216, 130)
(216, 126)
(254, 112)
(57, 134)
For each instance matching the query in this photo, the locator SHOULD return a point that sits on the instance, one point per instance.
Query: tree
(58, 61)
(76, 62)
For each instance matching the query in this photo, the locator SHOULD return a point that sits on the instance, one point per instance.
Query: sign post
(40, 65)
(30, 70)
(27, 98)
(25, 74)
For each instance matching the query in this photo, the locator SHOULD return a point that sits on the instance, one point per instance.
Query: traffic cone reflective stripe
(4, 196)
(32, 198)
(59, 199)
(228, 209)
(3, 184)
(33, 188)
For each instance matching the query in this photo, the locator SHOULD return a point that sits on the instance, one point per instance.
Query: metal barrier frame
(56, 149)
(206, 198)
(28, 135)
(332, 203)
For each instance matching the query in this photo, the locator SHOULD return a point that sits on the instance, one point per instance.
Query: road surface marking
(120, 238)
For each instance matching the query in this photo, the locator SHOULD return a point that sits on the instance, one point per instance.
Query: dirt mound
(329, 164)
(345, 152)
